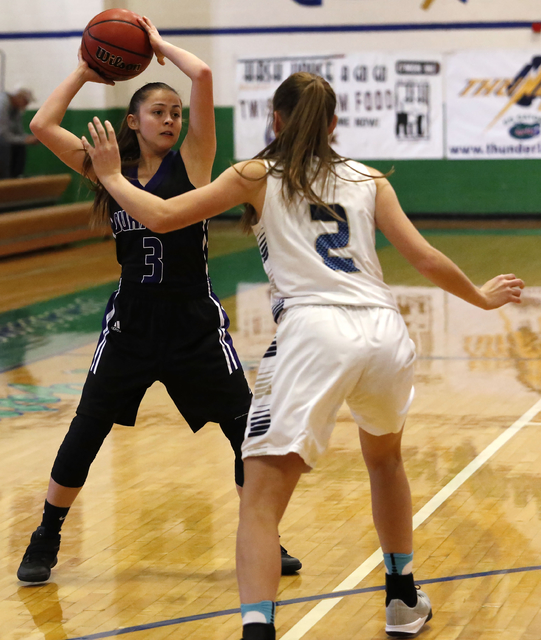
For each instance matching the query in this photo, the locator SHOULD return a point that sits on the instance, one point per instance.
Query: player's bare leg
(406, 608)
(390, 491)
(269, 483)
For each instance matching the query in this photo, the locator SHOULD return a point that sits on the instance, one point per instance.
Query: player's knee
(381, 451)
(391, 462)
(78, 450)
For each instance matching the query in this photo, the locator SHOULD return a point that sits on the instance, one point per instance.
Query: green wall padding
(440, 187)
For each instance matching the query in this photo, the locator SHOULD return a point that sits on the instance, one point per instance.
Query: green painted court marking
(51, 327)
(227, 271)
(29, 398)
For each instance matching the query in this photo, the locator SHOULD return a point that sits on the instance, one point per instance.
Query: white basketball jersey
(310, 257)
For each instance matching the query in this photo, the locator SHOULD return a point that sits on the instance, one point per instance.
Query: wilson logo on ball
(115, 61)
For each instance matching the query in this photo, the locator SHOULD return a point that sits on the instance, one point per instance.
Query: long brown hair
(301, 151)
(130, 153)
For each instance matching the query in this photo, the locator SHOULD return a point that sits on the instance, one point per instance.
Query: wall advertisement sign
(493, 104)
(389, 105)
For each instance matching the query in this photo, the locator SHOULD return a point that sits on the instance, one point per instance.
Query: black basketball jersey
(175, 260)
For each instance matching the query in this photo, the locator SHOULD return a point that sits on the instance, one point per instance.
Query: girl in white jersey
(340, 336)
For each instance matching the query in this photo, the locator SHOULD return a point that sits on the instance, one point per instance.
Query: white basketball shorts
(320, 357)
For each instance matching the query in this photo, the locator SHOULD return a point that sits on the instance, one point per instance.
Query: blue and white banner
(389, 105)
(494, 104)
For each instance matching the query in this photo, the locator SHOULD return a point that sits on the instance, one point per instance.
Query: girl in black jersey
(164, 322)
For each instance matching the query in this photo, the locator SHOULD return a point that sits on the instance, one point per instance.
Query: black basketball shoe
(290, 564)
(40, 557)
(258, 631)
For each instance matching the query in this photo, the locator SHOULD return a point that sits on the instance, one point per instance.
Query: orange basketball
(116, 45)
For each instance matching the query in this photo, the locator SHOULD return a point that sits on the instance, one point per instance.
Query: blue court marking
(332, 28)
(282, 603)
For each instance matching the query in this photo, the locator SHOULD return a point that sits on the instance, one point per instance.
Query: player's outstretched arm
(199, 146)
(434, 265)
(243, 183)
(46, 124)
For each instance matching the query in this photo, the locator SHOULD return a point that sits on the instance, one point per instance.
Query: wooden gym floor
(148, 548)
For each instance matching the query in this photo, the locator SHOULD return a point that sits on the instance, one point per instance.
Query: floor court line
(282, 603)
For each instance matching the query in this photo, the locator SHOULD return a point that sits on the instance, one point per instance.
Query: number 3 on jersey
(327, 241)
(153, 258)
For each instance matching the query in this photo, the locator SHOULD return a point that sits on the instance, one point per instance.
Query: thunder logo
(521, 90)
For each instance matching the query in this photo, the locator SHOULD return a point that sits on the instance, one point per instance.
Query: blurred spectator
(13, 139)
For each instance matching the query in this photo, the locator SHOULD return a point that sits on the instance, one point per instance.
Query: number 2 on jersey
(153, 258)
(327, 241)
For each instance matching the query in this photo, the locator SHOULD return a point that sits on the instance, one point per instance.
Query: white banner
(493, 104)
(389, 105)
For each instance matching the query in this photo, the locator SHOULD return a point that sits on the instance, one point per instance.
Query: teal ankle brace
(266, 608)
(398, 563)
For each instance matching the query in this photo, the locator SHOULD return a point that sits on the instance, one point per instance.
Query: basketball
(116, 45)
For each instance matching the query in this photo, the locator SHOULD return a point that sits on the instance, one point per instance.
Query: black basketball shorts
(153, 336)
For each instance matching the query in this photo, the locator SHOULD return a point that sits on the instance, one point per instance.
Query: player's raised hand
(155, 38)
(90, 75)
(501, 290)
(104, 154)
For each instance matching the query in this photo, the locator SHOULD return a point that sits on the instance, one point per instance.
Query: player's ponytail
(130, 152)
(301, 153)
